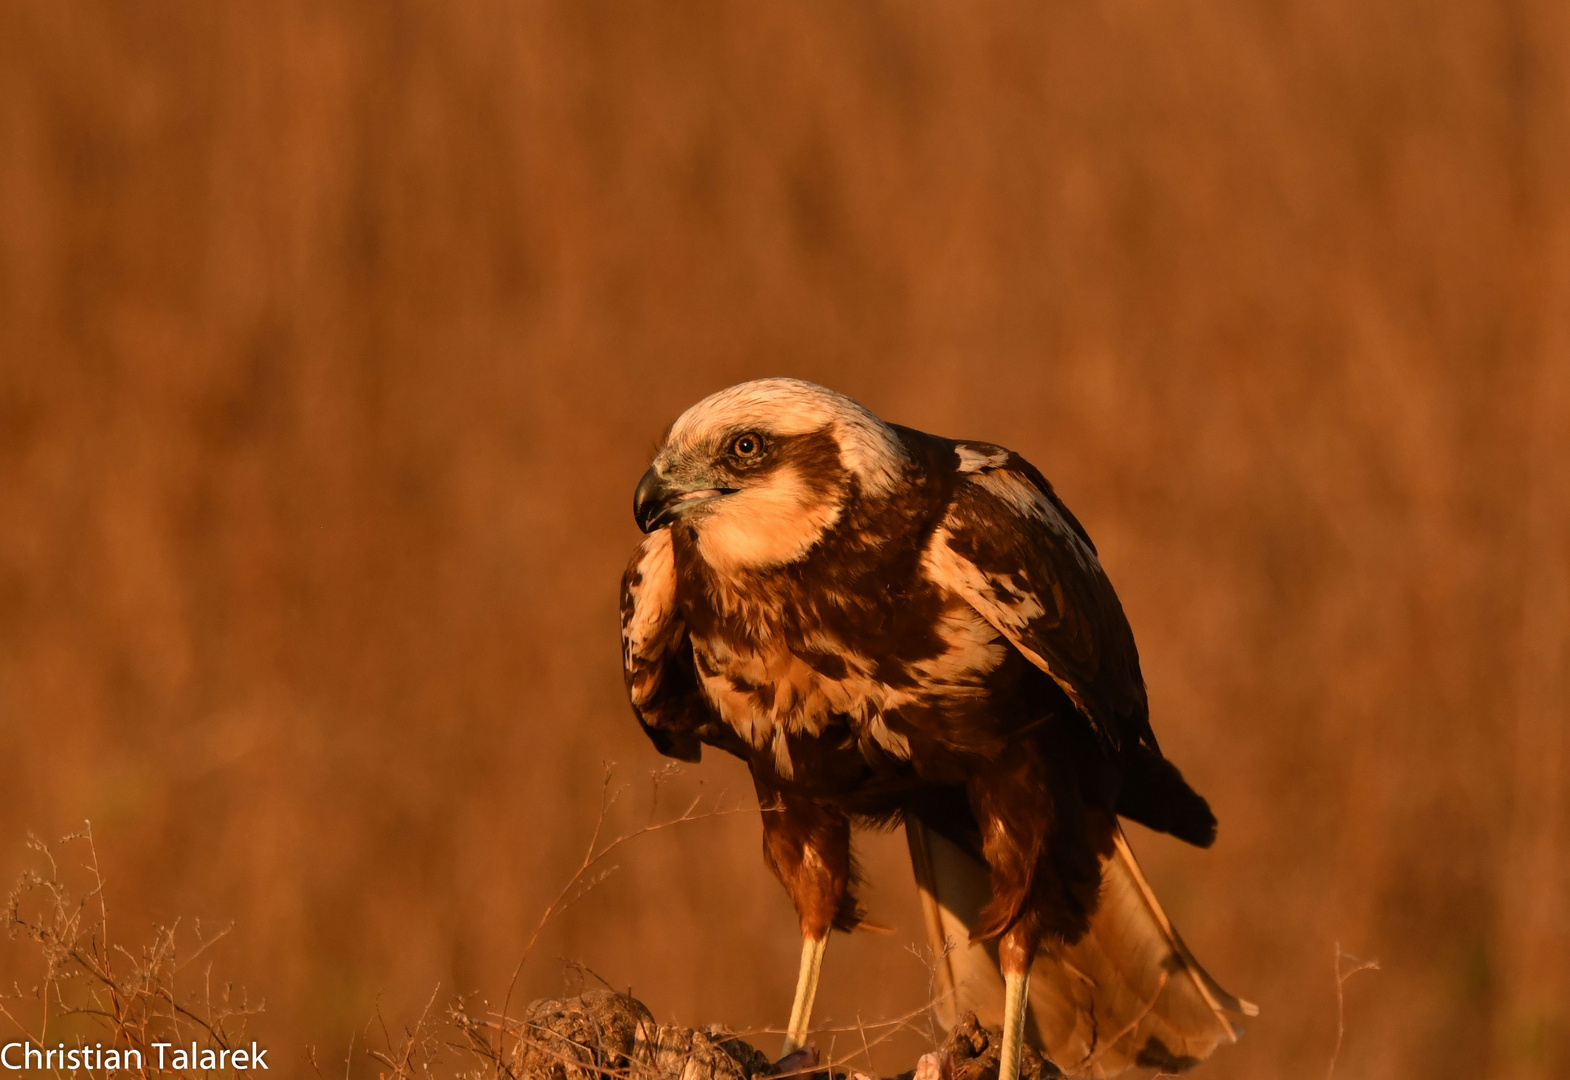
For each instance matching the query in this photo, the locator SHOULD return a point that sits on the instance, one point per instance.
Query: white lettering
(84, 1058)
(24, 1055)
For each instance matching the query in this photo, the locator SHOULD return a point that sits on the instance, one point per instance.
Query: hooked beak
(659, 502)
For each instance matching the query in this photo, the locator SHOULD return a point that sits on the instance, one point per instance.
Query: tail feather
(1129, 993)
(1156, 795)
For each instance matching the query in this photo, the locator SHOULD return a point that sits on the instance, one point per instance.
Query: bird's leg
(807, 845)
(1016, 991)
(1015, 808)
(806, 990)
(1016, 952)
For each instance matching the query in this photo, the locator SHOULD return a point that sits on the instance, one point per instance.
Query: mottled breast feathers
(992, 561)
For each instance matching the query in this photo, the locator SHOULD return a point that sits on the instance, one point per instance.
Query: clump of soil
(600, 1034)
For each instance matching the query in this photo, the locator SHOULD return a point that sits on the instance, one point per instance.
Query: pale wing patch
(765, 526)
(974, 651)
(976, 457)
(1010, 611)
(649, 617)
(998, 601)
(1018, 494)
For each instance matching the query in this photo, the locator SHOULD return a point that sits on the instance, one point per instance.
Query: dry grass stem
(90, 988)
(1347, 966)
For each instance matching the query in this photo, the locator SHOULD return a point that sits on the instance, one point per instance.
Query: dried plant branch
(1343, 973)
(931, 960)
(135, 995)
(581, 883)
(87, 978)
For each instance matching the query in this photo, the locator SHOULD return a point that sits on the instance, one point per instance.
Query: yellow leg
(1016, 995)
(806, 990)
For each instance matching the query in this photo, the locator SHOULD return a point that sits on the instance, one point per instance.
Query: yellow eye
(746, 446)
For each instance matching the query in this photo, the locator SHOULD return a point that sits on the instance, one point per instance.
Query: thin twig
(1341, 977)
(87, 975)
(577, 886)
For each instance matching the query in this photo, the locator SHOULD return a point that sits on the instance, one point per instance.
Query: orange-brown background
(334, 337)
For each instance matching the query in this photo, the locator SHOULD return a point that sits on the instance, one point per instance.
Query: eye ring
(747, 446)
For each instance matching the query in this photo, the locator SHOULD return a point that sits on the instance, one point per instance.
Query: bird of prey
(891, 627)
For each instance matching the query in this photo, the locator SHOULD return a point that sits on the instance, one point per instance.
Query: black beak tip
(649, 502)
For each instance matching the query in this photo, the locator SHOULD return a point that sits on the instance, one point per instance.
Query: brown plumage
(889, 626)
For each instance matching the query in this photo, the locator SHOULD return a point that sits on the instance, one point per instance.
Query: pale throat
(767, 526)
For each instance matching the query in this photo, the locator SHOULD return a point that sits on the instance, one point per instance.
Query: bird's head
(761, 470)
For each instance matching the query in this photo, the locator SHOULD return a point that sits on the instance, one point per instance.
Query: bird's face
(760, 471)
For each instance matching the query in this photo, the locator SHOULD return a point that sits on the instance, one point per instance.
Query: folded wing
(1011, 549)
(656, 654)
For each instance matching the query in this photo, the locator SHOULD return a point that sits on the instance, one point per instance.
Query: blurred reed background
(335, 335)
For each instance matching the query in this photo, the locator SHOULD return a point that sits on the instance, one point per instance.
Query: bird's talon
(803, 1059)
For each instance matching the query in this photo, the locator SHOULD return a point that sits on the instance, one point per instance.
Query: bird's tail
(1129, 993)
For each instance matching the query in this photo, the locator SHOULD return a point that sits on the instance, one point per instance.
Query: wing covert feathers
(1128, 994)
(1009, 548)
